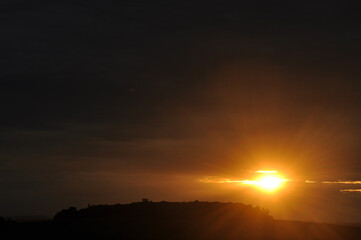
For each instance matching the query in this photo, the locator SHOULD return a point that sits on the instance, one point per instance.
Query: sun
(267, 181)
(270, 182)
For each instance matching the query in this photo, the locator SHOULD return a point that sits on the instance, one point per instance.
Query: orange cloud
(350, 190)
(342, 182)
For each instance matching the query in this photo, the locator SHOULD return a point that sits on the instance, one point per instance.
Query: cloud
(213, 179)
(342, 182)
(310, 181)
(356, 182)
(350, 190)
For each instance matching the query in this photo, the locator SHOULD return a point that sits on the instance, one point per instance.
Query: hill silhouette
(173, 220)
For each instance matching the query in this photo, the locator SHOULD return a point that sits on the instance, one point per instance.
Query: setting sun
(270, 182)
(267, 181)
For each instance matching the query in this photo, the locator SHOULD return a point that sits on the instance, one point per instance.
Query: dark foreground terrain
(169, 220)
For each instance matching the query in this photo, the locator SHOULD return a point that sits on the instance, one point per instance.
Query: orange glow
(267, 181)
(270, 182)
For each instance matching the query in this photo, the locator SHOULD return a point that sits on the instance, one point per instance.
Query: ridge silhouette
(172, 220)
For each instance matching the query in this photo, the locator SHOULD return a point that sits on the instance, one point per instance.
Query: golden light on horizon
(270, 182)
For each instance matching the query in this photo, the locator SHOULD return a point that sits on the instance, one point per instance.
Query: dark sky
(113, 101)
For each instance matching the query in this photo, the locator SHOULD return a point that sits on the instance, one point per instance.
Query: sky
(115, 101)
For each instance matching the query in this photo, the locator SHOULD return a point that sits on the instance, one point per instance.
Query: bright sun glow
(270, 182)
